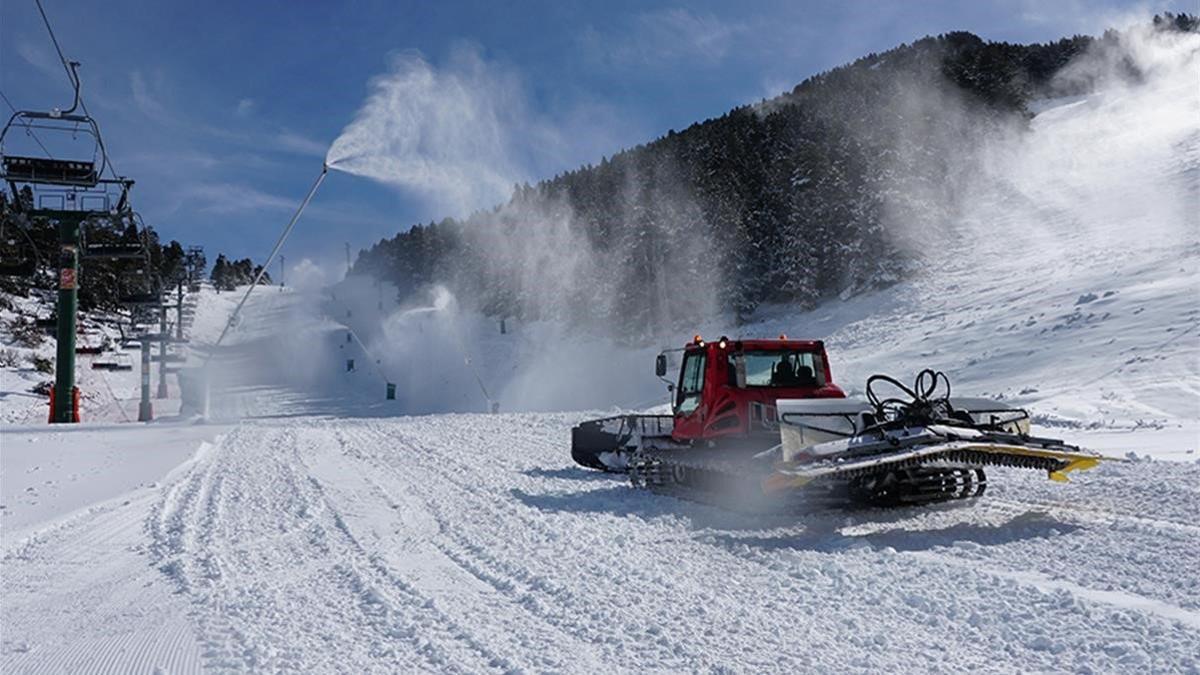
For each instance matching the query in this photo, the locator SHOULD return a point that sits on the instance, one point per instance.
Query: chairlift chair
(61, 188)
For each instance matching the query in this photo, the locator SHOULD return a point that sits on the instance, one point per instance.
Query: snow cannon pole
(258, 277)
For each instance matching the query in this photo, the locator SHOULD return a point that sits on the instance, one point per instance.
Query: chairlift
(67, 193)
(150, 292)
(150, 296)
(119, 250)
(118, 361)
(61, 188)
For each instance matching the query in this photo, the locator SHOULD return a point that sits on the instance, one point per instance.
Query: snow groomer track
(466, 543)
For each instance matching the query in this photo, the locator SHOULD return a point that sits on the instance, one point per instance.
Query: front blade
(1057, 461)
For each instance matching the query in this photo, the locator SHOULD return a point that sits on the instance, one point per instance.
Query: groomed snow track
(446, 544)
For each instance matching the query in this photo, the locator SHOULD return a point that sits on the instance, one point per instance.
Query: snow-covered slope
(1071, 285)
(469, 543)
(325, 537)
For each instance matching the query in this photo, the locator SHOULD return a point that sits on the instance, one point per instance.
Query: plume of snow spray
(1069, 256)
(447, 135)
(460, 135)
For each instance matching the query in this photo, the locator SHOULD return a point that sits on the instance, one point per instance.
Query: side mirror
(660, 365)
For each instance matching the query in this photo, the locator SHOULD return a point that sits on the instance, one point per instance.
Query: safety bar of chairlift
(122, 206)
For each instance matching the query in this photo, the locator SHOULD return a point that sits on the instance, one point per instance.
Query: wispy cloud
(230, 198)
(245, 107)
(145, 100)
(43, 60)
(665, 37)
(301, 145)
(1083, 17)
(235, 199)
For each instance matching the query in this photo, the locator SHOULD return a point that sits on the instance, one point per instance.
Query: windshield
(691, 381)
(781, 369)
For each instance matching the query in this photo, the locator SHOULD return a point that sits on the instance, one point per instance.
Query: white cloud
(227, 198)
(43, 60)
(1077, 16)
(301, 145)
(664, 36)
(145, 100)
(245, 107)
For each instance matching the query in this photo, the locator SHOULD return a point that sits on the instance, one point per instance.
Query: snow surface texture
(326, 534)
(321, 538)
(469, 543)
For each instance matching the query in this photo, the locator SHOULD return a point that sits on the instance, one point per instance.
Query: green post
(68, 283)
(145, 409)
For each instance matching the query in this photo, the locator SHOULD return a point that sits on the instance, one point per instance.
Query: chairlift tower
(194, 260)
(66, 193)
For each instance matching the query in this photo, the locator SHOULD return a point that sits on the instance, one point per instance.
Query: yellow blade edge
(1077, 465)
(778, 481)
(1077, 462)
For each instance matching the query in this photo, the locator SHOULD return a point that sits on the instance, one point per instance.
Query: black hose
(926, 402)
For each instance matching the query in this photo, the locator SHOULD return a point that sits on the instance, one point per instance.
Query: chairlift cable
(28, 127)
(74, 79)
(61, 58)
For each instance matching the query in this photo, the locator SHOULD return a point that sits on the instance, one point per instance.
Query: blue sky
(222, 111)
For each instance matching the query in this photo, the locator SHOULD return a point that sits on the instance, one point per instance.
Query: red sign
(66, 279)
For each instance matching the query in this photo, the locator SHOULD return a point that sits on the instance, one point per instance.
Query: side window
(691, 381)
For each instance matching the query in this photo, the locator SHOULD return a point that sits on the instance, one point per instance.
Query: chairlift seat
(50, 171)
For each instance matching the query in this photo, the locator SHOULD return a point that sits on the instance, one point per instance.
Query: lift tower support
(68, 193)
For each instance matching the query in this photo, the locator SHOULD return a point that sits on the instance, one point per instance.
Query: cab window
(781, 369)
(691, 381)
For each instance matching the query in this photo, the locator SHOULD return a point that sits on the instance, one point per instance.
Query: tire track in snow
(968, 518)
(264, 600)
(655, 589)
(458, 633)
(519, 636)
(532, 593)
